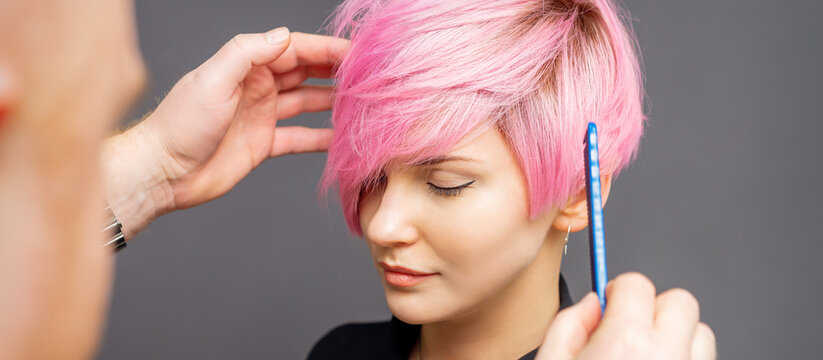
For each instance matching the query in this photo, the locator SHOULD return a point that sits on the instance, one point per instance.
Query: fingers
(676, 316)
(304, 98)
(571, 329)
(230, 65)
(300, 139)
(636, 324)
(297, 75)
(630, 298)
(310, 49)
(704, 346)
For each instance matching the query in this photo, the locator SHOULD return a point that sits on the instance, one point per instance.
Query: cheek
(488, 242)
(367, 208)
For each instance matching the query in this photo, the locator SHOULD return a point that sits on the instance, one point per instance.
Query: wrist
(135, 185)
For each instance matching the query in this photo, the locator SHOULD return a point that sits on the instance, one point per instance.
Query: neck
(508, 326)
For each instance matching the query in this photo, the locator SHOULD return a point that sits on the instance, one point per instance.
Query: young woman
(458, 157)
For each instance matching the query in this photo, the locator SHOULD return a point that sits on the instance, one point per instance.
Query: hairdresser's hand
(636, 325)
(218, 123)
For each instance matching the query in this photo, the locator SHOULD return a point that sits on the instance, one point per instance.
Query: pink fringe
(422, 75)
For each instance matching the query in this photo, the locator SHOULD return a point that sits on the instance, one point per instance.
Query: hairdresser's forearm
(135, 184)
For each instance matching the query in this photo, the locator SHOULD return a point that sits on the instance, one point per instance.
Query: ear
(575, 212)
(7, 92)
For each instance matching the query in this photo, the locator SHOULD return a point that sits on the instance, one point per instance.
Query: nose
(392, 222)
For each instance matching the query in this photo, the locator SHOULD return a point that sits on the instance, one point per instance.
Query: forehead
(486, 147)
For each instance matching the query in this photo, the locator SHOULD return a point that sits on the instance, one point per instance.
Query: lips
(402, 276)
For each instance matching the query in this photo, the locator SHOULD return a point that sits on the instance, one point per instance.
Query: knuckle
(706, 332)
(193, 76)
(240, 41)
(567, 323)
(633, 340)
(682, 298)
(634, 280)
(563, 318)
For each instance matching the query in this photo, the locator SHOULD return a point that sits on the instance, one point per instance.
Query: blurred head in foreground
(69, 69)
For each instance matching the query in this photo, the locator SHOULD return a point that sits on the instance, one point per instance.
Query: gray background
(723, 199)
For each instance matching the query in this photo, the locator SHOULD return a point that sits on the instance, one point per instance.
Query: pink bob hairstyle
(422, 76)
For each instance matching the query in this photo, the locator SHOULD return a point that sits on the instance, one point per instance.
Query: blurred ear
(7, 92)
(575, 212)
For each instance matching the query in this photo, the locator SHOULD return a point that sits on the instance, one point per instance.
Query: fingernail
(277, 36)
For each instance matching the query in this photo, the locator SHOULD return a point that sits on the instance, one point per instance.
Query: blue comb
(597, 246)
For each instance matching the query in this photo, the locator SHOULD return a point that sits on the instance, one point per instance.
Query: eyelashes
(437, 190)
(448, 191)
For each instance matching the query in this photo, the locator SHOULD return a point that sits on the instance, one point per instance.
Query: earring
(566, 246)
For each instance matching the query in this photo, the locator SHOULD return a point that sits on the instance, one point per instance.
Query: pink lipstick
(403, 277)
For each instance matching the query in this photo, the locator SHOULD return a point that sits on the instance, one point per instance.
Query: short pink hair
(421, 75)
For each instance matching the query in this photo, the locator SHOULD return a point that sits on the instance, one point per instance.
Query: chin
(415, 307)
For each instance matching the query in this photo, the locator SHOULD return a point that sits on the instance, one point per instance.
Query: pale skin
(68, 70)
(62, 88)
(218, 123)
(215, 126)
(490, 296)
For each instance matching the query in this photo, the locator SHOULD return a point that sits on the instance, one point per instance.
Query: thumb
(233, 62)
(571, 329)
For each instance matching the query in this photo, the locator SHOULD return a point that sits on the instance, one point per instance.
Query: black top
(391, 340)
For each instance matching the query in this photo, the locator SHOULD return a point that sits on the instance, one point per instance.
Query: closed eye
(449, 191)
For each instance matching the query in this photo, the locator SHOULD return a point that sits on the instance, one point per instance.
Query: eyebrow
(442, 159)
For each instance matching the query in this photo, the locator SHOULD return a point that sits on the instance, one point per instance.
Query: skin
(68, 70)
(491, 295)
(218, 123)
(636, 325)
(215, 126)
(55, 278)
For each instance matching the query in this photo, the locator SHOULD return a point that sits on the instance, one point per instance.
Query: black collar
(404, 335)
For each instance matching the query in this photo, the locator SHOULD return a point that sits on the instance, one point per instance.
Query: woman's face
(460, 224)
